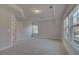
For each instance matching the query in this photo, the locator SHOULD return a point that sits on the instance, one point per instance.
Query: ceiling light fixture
(36, 11)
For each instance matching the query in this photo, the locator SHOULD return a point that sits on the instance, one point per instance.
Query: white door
(5, 29)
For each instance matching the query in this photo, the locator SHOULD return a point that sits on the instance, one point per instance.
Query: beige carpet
(36, 47)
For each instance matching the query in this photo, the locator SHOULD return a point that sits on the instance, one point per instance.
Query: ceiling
(45, 11)
(25, 11)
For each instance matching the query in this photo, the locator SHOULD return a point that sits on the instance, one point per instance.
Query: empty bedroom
(39, 29)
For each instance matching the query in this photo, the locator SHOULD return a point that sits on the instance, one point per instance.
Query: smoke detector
(50, 7)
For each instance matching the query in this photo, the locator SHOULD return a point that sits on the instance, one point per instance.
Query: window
(35, 29)
(71, 26)
(76, 27)
(66, 31)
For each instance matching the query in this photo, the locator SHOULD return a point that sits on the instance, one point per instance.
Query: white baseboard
(4, 48)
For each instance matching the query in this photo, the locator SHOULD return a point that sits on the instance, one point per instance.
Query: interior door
(5, 29)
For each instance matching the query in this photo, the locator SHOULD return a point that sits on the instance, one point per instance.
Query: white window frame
(71, 17)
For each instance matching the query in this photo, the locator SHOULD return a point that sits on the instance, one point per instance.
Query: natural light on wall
(35, 29)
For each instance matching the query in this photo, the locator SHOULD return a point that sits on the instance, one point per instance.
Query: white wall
(5, 26)
(19, 30)
(23, 29)
(48, 29)
(27, 29)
